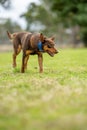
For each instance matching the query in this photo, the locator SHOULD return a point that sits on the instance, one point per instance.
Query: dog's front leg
(40, 61)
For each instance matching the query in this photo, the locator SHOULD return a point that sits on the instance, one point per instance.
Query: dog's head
(48, 45)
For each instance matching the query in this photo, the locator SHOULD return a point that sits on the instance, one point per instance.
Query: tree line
(55, 17)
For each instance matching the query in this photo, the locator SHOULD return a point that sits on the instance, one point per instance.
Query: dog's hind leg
(25, 58)
(26, 61)
(14, 59)
(16, 52)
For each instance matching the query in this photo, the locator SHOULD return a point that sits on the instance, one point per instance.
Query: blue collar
(40, 46)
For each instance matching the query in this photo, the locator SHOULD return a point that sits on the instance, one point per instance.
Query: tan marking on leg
(19, 49)
(14, 59)
(28, 52)
(26, 60)
(15, 55)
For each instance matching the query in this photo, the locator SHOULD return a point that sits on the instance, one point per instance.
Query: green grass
(54, 100)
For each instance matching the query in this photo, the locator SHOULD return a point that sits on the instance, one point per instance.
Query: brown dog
(31, 43)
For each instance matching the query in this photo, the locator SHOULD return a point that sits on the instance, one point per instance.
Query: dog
(31, 44)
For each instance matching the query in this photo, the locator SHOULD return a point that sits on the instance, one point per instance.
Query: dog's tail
(9, 35)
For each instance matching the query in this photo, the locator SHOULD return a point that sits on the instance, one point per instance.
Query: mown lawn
(54, 100)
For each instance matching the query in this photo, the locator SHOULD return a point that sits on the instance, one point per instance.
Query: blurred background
(65, 19)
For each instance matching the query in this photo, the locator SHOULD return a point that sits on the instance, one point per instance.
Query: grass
(54, 100)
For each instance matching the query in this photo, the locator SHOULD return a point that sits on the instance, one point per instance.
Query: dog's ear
(45, 37)
(52, 38)
(42, 37)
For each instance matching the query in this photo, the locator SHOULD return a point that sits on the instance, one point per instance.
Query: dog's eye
(49, 46)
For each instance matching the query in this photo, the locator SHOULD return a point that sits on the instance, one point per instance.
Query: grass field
(54, 100)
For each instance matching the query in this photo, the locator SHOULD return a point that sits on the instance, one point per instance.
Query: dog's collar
(40, 46)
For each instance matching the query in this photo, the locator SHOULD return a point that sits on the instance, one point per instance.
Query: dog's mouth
(50, 53)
